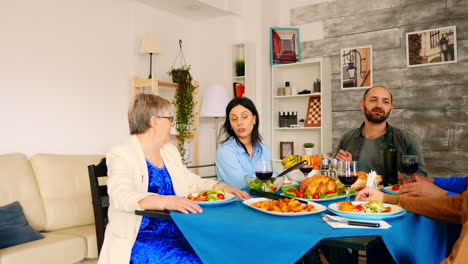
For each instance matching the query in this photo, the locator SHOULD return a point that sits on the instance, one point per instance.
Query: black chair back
(100, 200)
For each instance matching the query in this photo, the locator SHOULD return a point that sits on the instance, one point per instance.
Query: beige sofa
(54, 192)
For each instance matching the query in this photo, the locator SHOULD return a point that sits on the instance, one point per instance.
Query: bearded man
(366, 144)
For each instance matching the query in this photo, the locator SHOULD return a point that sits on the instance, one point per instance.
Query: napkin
(336, 224)
(371, 179)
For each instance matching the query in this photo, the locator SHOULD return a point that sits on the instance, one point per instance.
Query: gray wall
(430, 101)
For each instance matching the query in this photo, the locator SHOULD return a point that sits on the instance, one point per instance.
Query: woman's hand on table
(421, 188)
(237, 192)
(169, 202)
(369, 194)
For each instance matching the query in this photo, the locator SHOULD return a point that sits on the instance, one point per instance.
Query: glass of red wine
(347, 174)
(306, 169)
(263, 171)
(409, 164)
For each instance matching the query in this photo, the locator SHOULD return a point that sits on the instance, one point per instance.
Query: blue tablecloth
(235, 233)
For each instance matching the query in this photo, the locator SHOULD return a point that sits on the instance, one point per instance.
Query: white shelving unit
(301, 76)
(246, 52)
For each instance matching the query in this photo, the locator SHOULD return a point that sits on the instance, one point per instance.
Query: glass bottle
(390, 158)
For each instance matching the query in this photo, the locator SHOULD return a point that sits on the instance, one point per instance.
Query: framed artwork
(314, 112)
(286, 149)
(356, 68)
(432, 46)
(285, 45)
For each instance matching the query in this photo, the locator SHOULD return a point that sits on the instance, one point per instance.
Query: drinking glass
(409, 164)
(263, 171)
(347, 174)
(334, 168)
(307, 168)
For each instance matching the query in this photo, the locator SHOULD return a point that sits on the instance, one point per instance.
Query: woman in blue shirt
(242, 147)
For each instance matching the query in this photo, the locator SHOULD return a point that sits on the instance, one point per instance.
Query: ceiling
(197, 9)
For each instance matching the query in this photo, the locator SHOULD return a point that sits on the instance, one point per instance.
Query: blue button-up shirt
(233, 163)
(454, 185)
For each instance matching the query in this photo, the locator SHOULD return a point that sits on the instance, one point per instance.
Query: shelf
(295, 96)
(238, 77)
(296, 128)
(295, 64)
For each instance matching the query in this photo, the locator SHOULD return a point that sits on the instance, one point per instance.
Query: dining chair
(210, 173)
(100, 199)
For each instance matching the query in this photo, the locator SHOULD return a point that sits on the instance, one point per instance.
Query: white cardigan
(128, 184)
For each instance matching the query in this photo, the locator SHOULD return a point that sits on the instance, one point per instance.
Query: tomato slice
(300, 195)
(220, 196)
(274, 188)
(204, 194)
(359, 207)
(395, 188)
(388, 209)
(315, 196)
(291, 190)
(329, 192)
(200, 198)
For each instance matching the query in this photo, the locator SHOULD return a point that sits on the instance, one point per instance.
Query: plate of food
(391, 189)
(373, 210)
(284, 207)
(212, 197)
(318, 188)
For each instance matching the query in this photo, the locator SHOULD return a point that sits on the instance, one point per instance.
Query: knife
(273, 196)
(350, 222)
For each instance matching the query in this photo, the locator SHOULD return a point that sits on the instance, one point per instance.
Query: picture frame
(286, 149)
(284, 45)
(356, 68)
(314, 112)
(431, 47)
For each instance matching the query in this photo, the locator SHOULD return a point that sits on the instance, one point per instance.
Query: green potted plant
(308, 148)
(240, 67)
(184, 103)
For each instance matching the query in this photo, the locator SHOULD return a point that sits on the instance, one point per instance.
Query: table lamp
(150, 45)
(213, 104)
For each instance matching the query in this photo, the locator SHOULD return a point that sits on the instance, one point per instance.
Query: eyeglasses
(171, 118)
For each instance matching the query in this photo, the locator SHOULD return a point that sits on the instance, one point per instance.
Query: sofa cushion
(14, 228)
(53, 249)
(18, 183)
(64, 185)
(88, 232)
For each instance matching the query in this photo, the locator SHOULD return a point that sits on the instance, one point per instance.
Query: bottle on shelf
(287, 89)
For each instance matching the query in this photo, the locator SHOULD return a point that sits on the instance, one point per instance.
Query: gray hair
(142, 108)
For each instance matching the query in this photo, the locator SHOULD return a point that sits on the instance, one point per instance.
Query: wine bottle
(390, 157)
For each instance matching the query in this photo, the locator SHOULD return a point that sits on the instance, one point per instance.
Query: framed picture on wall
(285, 45)
(432, 46)
(286, 149)
(356, 68)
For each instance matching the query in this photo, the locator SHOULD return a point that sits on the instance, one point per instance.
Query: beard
(371, 117)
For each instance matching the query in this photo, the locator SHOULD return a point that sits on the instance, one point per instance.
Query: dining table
(235, 233)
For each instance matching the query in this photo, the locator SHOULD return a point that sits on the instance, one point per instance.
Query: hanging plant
(184, 103)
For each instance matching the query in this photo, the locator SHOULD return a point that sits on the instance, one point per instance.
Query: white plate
(367, 216)
(290, 183)
(229, 198)
(319, 207)
(388, 190)
(324, 199)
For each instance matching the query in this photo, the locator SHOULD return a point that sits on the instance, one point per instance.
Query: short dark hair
(367, 91)
(227, 128)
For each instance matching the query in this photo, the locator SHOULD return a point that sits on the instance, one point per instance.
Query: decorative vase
(308, 151)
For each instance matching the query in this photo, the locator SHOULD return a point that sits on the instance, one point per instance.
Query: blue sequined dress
(160, 240)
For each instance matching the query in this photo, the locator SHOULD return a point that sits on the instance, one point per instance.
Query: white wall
(66, 69)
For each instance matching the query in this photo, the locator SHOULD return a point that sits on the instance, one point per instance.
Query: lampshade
(214, 101)
(150, 44)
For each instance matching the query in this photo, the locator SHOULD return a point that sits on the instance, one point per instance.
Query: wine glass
(409, 164)
(307, 168)
(263, 171)
(347, 174)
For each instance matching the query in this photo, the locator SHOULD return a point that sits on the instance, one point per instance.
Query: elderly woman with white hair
(146, 172)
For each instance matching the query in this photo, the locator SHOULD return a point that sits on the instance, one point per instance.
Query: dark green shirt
(403, 141)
